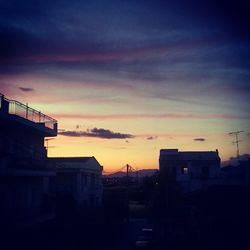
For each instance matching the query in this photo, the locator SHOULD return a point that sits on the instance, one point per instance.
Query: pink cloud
(50, 90)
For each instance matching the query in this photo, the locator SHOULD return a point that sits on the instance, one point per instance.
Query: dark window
(205, 173)
(84, 180)
(92, 180)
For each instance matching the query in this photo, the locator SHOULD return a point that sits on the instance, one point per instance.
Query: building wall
(21, 145)
(82, 180)
(197, 169)
(25, 194)
(23, 199)
(85, 187)
(191, 170)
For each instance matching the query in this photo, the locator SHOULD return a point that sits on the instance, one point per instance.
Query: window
(184, 170)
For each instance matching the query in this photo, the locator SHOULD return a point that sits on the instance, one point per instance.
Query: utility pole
(127, 198)
(127, 170)
(137, 176)
(236, 134)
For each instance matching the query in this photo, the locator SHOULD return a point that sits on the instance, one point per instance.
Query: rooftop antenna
(236, 134)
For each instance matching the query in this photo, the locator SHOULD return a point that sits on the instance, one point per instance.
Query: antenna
(236, 133)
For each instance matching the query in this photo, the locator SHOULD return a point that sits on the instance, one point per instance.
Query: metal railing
(24, 111)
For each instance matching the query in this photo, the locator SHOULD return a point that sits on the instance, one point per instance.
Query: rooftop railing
(1, 96)
(26, 112)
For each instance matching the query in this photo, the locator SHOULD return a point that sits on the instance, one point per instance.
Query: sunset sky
(127, 78)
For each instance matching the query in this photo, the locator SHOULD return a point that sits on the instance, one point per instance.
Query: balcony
(23, 112)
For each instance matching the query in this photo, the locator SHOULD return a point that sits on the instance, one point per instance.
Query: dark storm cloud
(97, 132)
(199, 139)
(62, 27)
(32, 29)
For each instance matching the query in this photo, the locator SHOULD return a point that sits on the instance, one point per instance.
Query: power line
(237, 141)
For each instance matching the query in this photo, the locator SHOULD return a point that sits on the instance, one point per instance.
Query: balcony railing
(26, 112)
(1, 97)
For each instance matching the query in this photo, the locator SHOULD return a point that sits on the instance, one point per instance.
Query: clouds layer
(161, 50)
(97, 132)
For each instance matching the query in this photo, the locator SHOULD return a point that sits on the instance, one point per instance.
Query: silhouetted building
(79, 178)
(238, 175)
(25, 195)
(189, 170)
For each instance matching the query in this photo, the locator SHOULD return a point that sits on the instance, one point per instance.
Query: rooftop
(190, 155)
(22, 113)
(70, 159)
(74, 163)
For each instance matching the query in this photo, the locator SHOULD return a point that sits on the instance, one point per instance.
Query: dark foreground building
(25, 181)
(79, 179)
(190, 170)
(203, 205)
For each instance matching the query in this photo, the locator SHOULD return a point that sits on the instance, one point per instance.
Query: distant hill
(141, 173)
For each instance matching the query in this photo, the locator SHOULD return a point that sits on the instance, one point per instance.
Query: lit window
(184, 170)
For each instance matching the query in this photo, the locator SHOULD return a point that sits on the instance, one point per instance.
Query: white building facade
(80, 178)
